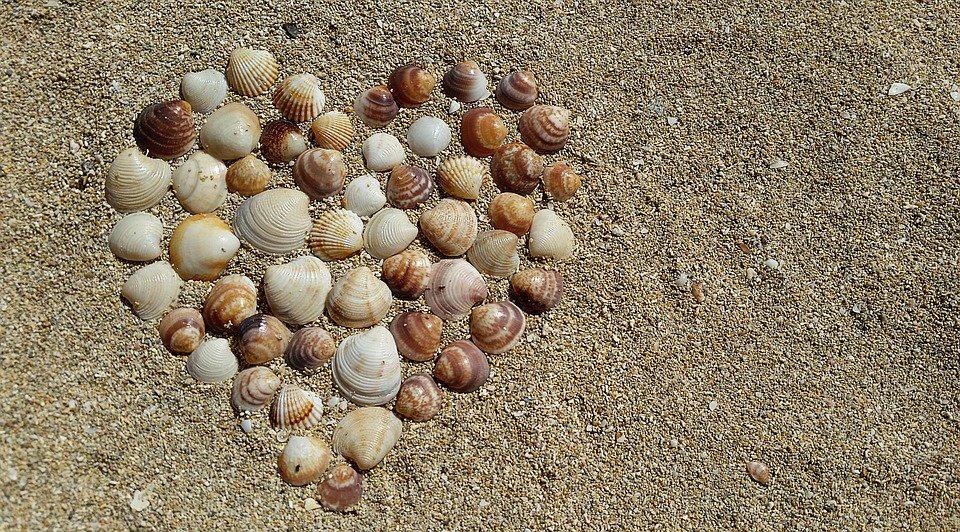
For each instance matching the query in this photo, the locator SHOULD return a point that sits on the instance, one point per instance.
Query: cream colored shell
(212, 361)
(358, 299)
(428, 136)
(495, 253)
(366, 435)
(461, 177)
(231, 132)
(451, 226)
(299, 97)
(332, 130)
(200, 183)
(136, 237)
(201, 246)
(364, 196)
(366, 368)
(381, 152)
(136, 182)
(296, 291)
(388, 232)
(275, 221)
(251, 72)
(336, 235)
(550, 236)
(152, 289)
(203, 90)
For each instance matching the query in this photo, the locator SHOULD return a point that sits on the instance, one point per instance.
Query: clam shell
(230, 132)
(262, 338)
(496, 327)
(560, 181)
(296, 291)
(332, 130)
(366, 368)
(516, 168)
(465, 82)
(310, 348)
(363, 196)
(336, 235)
(495, 253)
(455, 287)
(381, 152)
(320, 172)
(366, 435)
(136, 237)
(295, 408)
(182, 330)
(417, 335)
(411, 85)
(212, 361)
(545, 128)
(550, 236)
(358, 299)
(281, 142)
(409, 186)
(253, 389)
(165, 130)
(303, 460)
(428, 136)
(248, 176)
(341, 491)
(204, 90)
(201, 246)
(387, 233)
(251, 72)
(275, 221)
(419, 398)
(376, 107)
(462, 367)
(537, 290)
(136, 182)
(152, 289)
(517, 90)
(231, 300)
(482, 132)
(512, 212)
(451, 226)
(299, 97)
(461, 177)
(200, 183)
(407, 274)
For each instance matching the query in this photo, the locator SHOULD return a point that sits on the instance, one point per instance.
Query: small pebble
(454, 107)
(291, 29)
(759, 472)
(673, 443)
(672, 121)
(697, 290)
(955, 95)
(617, 230)
(139, 501)
(713, 405)
(246, 425)
(772, 263)
(751, 274)
(897, 89)
(311, 504)
(682, 282)
(778, 163)
(74, 147)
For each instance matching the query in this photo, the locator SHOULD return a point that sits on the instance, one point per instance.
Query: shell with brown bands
(560, 181)
(231, 300)
(262, 339)
(309, 349)
(411, 85)
(320, 172)
(545, 128)
(409, 186)
(295, 408)
(496, 327)
(182, 330)
(407, 274)
(512, 212)
(537, 290)
(332, 130)
(466, 82)
(342, 490)
(417, 335)
(516, 168)
(419, 398)
(376, 106)
(281, 142)
(462, 367)
(482, 132)
(165, 130)
(253, 388)
(517, 90)
(451, 226)
(299, 97)
(455, 287)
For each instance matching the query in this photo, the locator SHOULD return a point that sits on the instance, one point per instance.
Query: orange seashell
(231, 300)
(512, 212)
(320, 172)
(409, 186)
(281, 142)
(462, 367)
(165, 130)
(182, 330)
(537, 290)
(560, 181)
(517, 90)
(407, 274)
(545, 128)
(419, 398)
(482, 132)
(496, 327)
(248, 176)
(411, 85)
(376, 107)
(451, 226)
(417, 335)
(516, 168)
(332, 130)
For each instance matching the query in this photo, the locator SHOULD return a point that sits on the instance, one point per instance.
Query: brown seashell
(320, 172)
(182, 330)
(451, 226)
(332, 130)
(482, 132)
(165, 130)
(462, 367)
(262, 339)
(512, 212)
(516, 168)
(376, 107)
(537, 290)
(281, 142)
(299, 97)
(231, 300)
(303, 460)
(358, 299)
(517, 90)
(253, 389)
(759, 472)
(341, 491)
(496, 327)
(411, 85)
(560, 181)
(248, 176)
(455, 287)
(419, 398)
(465, 82)
(310, 348)
(409, 186)
(251, 72)
(407, 274)
(295, 408)
(545, 128)
(417, 335)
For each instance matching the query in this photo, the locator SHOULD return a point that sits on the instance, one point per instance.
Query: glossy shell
(253, 389)
(320, 172)
(455, 287)
(200, 183)
(248, 176)
(759, 472)
(309, 349)
(212, 361)
(336, 235)
(550, 236)
(409, 186)
(136, 182)
(251, 72)
(136, 237)
(495, 253)
(364, 196)
(465, 82)
(417, 335)
(516, 168)
(299, 97)
(262, 338)
(366, 435)
(366, 368)
(545, 128)
(376, 107)
(496, 327)
(304, 460)
(296, 291)
(230, 132)
(517, 90)
(419, 398)
(152, 289)
(407, 274)
(560, 181)
(482, 132)
(181, 330)
(387, 233)
(332, 130)
(462, 367)
(537, 290)
(281, 142)
(451, 226)
(201, 246)
(231, 300)
(295, 408)
(275, 221)
(411, 85)
(512, 212)
(428, 136)
(204, 90)
(165, 130)
(461, 177)
(381, 152)
(342, 489)
(358, 299)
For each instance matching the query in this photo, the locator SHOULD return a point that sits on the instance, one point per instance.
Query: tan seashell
(296, 291)
(407, 274)
(537, 290)
(182, 330)
(295, 408)
(417, 335)
(310, 348)
(550, 236)
(320, 172)
(512, 212)
(428, 136)
(299, 97)
(419, 398)
(545, 128)
(363, 196)
(516, 168)
(759, 472)
(358, 299)
(366, 368)
(262, 339)
(560, 181)
(495, 253)
(409, 186)
(212, 361)
(451, 226)
(461, 177)
(332, 130)
(376, 107)
(231, 300)
(253, 389)
(336, 235)
(517, 90)
(341, 491)
(201, 247)
(230, 132)
(496, 327)
(381, 152)
(252, 72)
(152, 289)
(275, 221)
(248, 176)
(465, 82)
(455, 287)
(200, 183)
(303, 460)
(462, 367)
(204, 90)
(165, 130)
(281, 142)
(136, 237)
(411, 85)
(482, 132)
(366, 435)
(136, 182)
(387, 233)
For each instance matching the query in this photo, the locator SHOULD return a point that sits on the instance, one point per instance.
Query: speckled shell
(376, 107)
(364, 196)
(201, 246)
(203, 90)
(295, 408)
(495, 253)
(428, 136)
(303, 460)
(451, 226)
(136, 182)
(200, 183)
(358, 299)
(419, 398)
(381, 152)
(550, 236)
(230, 132)
(320, 172)
(545, 128)
(342, 490)
(512, 212)
(462, 367)
(366, 435)
(251, 72)
(336, 235)
(275, 221)
(411, 85)
(496, 327)
(212, 361)
(417, 335)
(407, 274)
(296, 291)
(482, 132)
(299, 97)
(409, 186)
(387, 233)
(759, 472)
(366, 368)
(262, 338)
(455, 287)
(517, 90)
(465, 82)
(309, 349)
(165, 130)
(182, 330)
(537, 290)
(152, 289)
(253, 389)
(560, 181)
(231, 300)
(332, 130)
(461, 177)
(281, 142)
(136, 237)
(248, 176)
(516, 168)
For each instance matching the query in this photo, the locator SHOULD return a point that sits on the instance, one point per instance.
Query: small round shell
(366, 368)
(495, 253)
(332, 130)
(251, 72)
(136, 237)
(201, 247)
(342, 490)
(417, 335)
(231, 300)
(296, 291)
(165, 130)
(537, 290)
(262, 338)
(358, 299)
(295, 408)
(512, 212)
(550, 236)
(336, 235)
(516, 168)
(230, 132)
(381, 152)
(181, 330)
(200, 183)
(366, 435)
(465, 82)
(364, 196)
(136, 182)
(248, 176)
(455, 287)
(419, 398)
(152, 289)
(387, 233)
(275, 221)
(496, 327)
(482, 132)
(253, 389)
(309, 349)
(407, 274)
(517, 90)
(409, 186)
(204, 90)
(428, 136)
(461, 177)
(560, 181)
(281, 142)
(376, 107)
(545, 128)
(303, 460)
(451, 226)
(320, 172)
(212, 361)
(299, 97)
(759, 472)
(462, 367)
(411, 85)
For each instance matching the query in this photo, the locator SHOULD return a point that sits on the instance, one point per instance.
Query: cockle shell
(165, 130)
(341, 491)
(182, 330)
(320, 172)
(537, 290)
(299, 97)
(204, 90)
(512, 212)
(248, 176)
(381, 152)
(231, 132)
(451, 226)
(212, 361)
(366, 435)
(275, 221)
(560, 181)
(201, 246)
(200, 183)
(407, 274)
(262, 338)
(465, 82)
(495, 253)
(517, 90)
(231, 300)
(462, 367)
(482, 132)
(417, 335)
(253, 388)
(295, 408)
(550, 236)
(136, 237)
(336, 235)
(461, 177)
(303, 460)
(366, 368)
(310, 348)
(411, 85)
(516, 168)
(409, 186)
(545, 128)
(251, 72)
(136, 182)
(358, 299)
(296, 291)
(332, 130)
(152, 289)
(376, 106)
(496, 327)
(428, 136)
(455, 287)
(364, 196)
(281, 142)
(387, 233)
(419, 398)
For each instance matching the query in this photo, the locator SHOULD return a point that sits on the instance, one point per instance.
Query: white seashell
(358, 299)
(366, 435)
(275, 221)
(495, 253)
(253, 388)
(201, 246)
(304, 460)
(366, 368)
(550, 236)
(336, 235)
(455, 287)
(213, 361)
(251, 72)
(299, 97)
(200, 183)
(388, 232)
(152, 289)
(136, 237)
(381, 152)
(897, 89)
(461, 177)
(295, 408)
(231, 132)
(364, 196)
(428, 136)
(204, 90)
(296, 291)
(136, 182)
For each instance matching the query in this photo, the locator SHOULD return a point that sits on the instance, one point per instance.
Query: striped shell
(281, 142)
(465, 82)
(231, 300)
(550, 236)
(482, 132)
(409, 186)
(299, 97)
(358, 299)
(517, 90)
(366, 435)
(381, 152)
(545, 128)
(332, 130)
(303, 460)
(407, 274)
(212, 361)
(411, 85)
(204, 90)
(262, 338)
(516, 168)
(152, 289)
(364, 196)
(200, 183)
(296, 291)
(253, 388)
(165, 130)
(201, 246)
(136, 182)
(511, 212)
(495, 253)
(376, 107)
(451, 226)
(419, 398)
(341, 491)
(366, 368)
(136, 237)
(320, 172)
(455, 287)
(248, 176)
(295, 408)
(462, 367)
(560, 181)
(537, 290)
(428, 136)
(387, 233)
(310, 348)
(461, 177)
(417, 335)
(181, 330)
(496, 327)
(275, 221)
(336, 235)
(230, 132)
(251, 72)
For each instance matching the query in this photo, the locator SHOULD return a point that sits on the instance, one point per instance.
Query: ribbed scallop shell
(545, 128)
(455, 287)
(407, 274)
(336, 235)
(537, 290)
(512, 212)
(200, 183)
(230, 132)
(332, 130)
(295, 408)
(388, 232)
(203, 90)
(516, 168)
(419, 398)
(364, 196)
(310, 348)
(461, 177)
(136, 237)
(303, 460)
(212, 361)
(358, 299)
(275, 221)
(462, 367)
(201, 247)
(320, 172)
(550, 236)
(409, 186)
(381, 152)
(366, 435)
(517, 90)
(451, 226)
(376, 107)
(253, 388)
(495, 253)
(341, 491)
(262, 338)
(181, 330)
(136, 182)
(152, 289)
(231, 300)
(465, 82)
(411, 85)
(165, 130)
(296, 291)
(482, 132)
(428, 136)
(281, 142)
(248, 176)
(496, 327)
(366, 368)
(560, 181)
(299, 97)
(251, 72)
(417, 335)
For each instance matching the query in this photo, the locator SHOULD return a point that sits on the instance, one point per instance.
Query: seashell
(230, 132)
(387, 233)
(204, 90)
(517, 90)
(417, 335)
(201, 246)
(407, 274)
(358, 299)
(376, 107)
(560, 181)
(482, 132)
(545, 128)
(428, 136)
(296, 291)
(366, 368)
(152, 289)
(462, 367)
(512, 212)
(248, 176)
(537, 290)
(310, 348)
(496, 327)
(281, 142)
(419, 398)
(461, 177)
(295, 408)
(165, 130)
(411, 85)
(455, 287)
(550, 236)
(136, 182)
(451, 226)
(409, 186)
(303, 460)
(332, 130)
(341, 491)
(363, 196)
(212, 361)
(253, 388)
(516, 168)
(495, 253)
(251, 72)
(136, 237)
(262, 339)
(200, 183)
(320, 172)
(759, 472)
(465, 82)
(231, 300)
(336, 235)
(366, 435)
(275, 221)
(182, 330)
(299, 97)
(381, 152)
